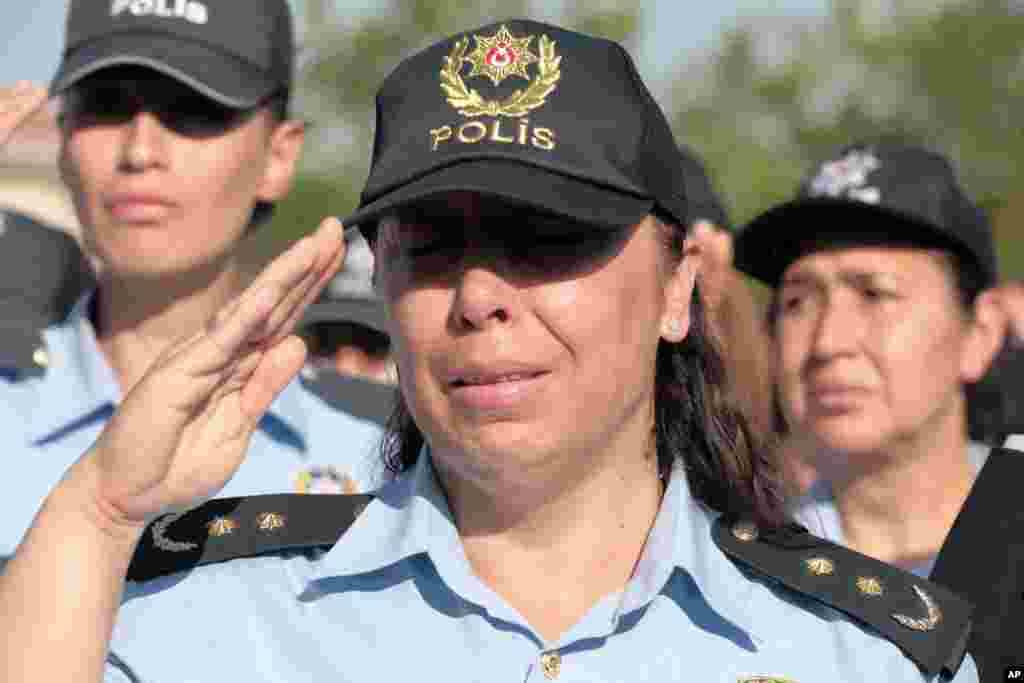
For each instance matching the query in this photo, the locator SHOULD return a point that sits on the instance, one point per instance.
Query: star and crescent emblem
(497, 58)
(501, 56)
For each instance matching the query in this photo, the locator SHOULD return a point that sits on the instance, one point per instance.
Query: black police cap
(878, 194)
(526, 112)
(235, 52)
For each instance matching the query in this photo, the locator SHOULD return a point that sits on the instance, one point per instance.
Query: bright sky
(31, 32)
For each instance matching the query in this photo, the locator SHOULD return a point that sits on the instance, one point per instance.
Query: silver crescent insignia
(160, 540)
(926, 623)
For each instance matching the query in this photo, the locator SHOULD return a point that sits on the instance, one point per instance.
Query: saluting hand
(184, 428)
(17, 104)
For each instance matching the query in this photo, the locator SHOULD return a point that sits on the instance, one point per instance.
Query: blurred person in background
(736, 319)
(345, 331)
(883, 314)
(176, 142)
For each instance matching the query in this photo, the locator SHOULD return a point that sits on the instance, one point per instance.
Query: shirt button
(551, 665)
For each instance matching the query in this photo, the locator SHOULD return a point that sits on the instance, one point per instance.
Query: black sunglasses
(112, 102)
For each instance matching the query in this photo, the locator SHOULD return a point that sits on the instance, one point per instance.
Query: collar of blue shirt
(80, 386)
(411, 516)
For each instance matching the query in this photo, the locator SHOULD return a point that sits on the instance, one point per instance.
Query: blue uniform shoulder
(224, 529)
(928, 622)
(366, 400)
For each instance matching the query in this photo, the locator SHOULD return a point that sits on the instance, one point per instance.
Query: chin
(848, 436)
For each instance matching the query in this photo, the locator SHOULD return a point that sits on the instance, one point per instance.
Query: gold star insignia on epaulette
(269, 521)
(869, 585)
(745, 531)
(221, 526)
(820, 566)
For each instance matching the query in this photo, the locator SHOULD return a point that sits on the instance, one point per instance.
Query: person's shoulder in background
(43, 272)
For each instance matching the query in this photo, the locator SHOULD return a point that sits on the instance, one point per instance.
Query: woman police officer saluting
(573, 502)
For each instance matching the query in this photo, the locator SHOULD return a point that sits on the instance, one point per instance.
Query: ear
(675, 321)
(987, 330)
(284, 149)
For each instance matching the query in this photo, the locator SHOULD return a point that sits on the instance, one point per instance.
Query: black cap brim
(367, 313)
(510, 180)
(223, 78)
(770, 243)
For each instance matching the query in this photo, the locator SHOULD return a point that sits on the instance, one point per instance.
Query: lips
(508, 390)
(501, 378)
(137, 206)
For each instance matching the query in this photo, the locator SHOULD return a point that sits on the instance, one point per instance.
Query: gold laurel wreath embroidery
(468, 101)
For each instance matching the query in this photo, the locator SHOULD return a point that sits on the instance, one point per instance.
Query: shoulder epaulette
(359, 397)
(927, 622)
(224, 529)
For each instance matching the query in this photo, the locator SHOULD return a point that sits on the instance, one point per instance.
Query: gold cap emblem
(221, 526)
(869, 585)
(499, 57)
(820, 566)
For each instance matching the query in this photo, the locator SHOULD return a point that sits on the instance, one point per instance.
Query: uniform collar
(681, 540)
(408, 516)
(79, 384)
(411, 516)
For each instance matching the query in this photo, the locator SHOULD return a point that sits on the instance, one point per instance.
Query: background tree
(775, 97)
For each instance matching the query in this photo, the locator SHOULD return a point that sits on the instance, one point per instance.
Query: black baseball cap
(350, 296)
(236, 52)
(526, 112)
(704, 203)
(884, 193)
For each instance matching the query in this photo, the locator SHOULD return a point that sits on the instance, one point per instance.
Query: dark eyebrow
(800, 279)
(867, 278)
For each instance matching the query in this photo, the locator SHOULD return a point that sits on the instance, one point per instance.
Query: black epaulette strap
(228, 528)
(926, 621)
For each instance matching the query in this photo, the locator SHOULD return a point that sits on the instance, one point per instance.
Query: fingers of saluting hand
(18, 103)
(267, 311)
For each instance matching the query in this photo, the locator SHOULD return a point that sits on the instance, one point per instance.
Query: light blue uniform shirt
(49, 421)
(396, 600)
(817, 509)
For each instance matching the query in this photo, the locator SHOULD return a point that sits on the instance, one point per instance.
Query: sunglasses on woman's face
(104, 101)
(432, 239)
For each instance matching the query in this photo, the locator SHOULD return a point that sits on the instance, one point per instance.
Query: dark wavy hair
(729, 466)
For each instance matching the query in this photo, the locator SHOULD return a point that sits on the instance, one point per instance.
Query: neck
(900, 504)
(138, 317)
(581, 526)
